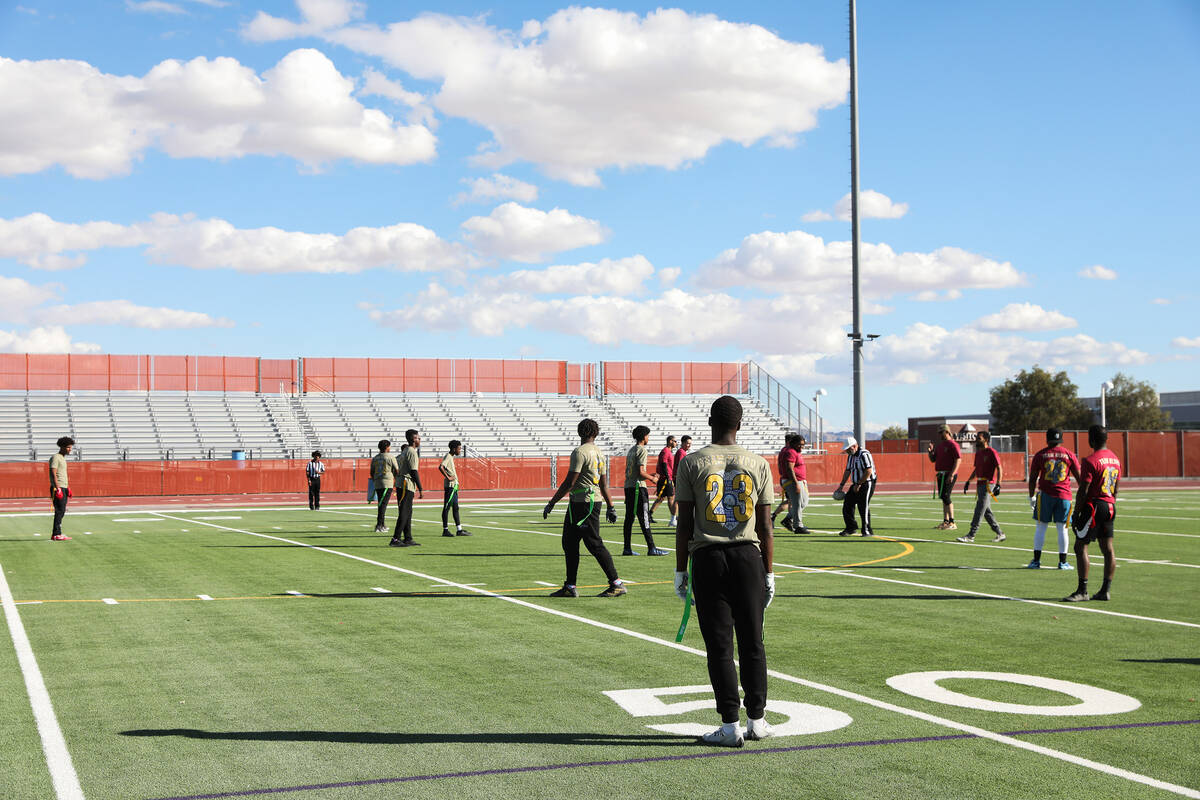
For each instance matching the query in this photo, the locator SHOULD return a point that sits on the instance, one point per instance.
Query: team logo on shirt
(730, 498)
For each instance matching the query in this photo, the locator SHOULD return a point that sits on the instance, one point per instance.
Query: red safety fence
(1143, 454)
(675, 377)
(897, 445)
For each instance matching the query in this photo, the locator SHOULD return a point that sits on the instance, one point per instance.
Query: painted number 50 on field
(802, 718)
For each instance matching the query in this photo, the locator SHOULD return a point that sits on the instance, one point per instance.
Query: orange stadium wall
(1144, 454)
(262, 476)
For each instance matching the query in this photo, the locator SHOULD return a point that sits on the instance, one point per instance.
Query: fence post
(553, 471)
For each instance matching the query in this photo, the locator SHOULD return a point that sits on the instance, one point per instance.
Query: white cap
(850, 442)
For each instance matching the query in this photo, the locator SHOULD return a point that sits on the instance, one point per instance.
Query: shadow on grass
(374, 737)
(1163, 660)
(892, 597)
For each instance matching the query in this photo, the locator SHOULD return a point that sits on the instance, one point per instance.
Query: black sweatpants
(404, 518)
(860, 499)
(382, 496)
(637, 504)
(60, 511)
(582, 524)
(314, 493)
(730, 587)
(450, 502)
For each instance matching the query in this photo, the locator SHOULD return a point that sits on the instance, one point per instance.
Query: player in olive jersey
(724, 501)
(1050, 474)
(1095, 511)
(384, 471)
(409, 463)
(450, 490)
(637, 499)
(60, 492)
(586, 482)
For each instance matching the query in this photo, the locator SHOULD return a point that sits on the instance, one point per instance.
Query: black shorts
(1094, 520)
(945, 486)
(665, 487)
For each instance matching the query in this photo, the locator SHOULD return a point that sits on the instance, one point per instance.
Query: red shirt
(986, 462)
(667, 459)
(945, 453)
(1053, 466)
(679, 454)
(1100, 472)
(790, 455)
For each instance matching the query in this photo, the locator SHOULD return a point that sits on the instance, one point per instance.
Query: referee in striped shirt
(314, 471)
(860, 471)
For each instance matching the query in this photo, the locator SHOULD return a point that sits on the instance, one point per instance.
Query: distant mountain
(870, 435)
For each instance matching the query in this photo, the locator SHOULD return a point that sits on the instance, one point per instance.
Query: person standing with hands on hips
(409, 463)
(60, 492)
(313, 471)
(946, 456)
(724, 494)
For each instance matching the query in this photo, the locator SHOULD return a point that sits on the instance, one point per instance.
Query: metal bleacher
(114, 426)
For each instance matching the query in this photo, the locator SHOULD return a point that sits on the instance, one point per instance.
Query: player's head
(1097, 436)
(984, 438)
(725, 415)
(640, 433)
(798, 441)
(65, 443)
(1053, 436)
(685, 442)
(455, 445)
(384, 444)
(671, 442)
(316, 454)
(944, 432)
(587, 429)
(412, 437)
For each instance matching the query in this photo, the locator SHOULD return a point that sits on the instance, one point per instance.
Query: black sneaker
(463, 532)
(410, 543)
(1077, 597)
(396, 543)
(1103, 594)
(867, 533)
(803, 530)
(613, 590)
(628, 552)
(446, 532)
(565, 591)
(848, 532)
(787, 524)
(652, 522)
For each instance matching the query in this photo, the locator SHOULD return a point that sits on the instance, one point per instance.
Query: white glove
(681, 584)
(1032, 502)
(770, 589)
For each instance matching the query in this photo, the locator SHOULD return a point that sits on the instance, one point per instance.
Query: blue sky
(530, 179)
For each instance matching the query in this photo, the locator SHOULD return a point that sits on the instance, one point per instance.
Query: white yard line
(859, 698)
(204, 597)
(58, 758)
(1162, 562)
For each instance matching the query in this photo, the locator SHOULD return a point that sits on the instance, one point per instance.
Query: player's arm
(957, 464)
(563, 488)
(604, 490)
(416, 478)
(766, 535)
(999, 471)
(685, 524)
(644, 474)
(787, 472)
(1035, 469)
(445, 473)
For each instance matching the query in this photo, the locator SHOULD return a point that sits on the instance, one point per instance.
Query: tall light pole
(820, 422)
(1105, 388)
(857, 335)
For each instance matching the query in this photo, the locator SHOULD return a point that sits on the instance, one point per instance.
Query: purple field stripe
(654, 759)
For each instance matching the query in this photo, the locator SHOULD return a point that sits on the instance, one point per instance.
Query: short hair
(670, 438)
(799, 438)
(316, 454)
(65, 441)
(684, 438)
(409, 434)
(1053, 436)
(987, 437)
(640, 432)
(587, 428)
(454, 443)
(726, 413)
(1097, 436)
(384, 444)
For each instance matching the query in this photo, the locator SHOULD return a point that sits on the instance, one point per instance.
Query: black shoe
(848, 532)
(1103, 594)
(396, 543)
(565, 591)
(446, 532)
(1077, 597)
(803, 530)
(867, 533)
(410, 543)
(652, 522)
(613, 590)
(787, 524)
(628, 552)
(463, 532)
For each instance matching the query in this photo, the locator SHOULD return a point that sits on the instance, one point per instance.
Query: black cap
(1053, 436)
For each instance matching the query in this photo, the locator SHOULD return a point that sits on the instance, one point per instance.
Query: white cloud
(515, 232)
(668, 275)
(1161, 301)
(1183, 341)
(497, 187)
(1098, 273)
(799, 261)
(970, 355)
(817, 216)
(41, 242)
(153, 7)
(52, 339)
(1024, 317)
(871, 205)
(588, 89)
(318, 16)
(933, 296)
(95, 125)
(123, 312)
(18, 296)
(621, 277)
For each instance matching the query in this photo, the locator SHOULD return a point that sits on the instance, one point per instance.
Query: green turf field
(327, 665)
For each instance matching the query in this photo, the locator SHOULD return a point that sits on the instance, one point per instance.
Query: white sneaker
(758, 729)
(728, 735)
(671, 522)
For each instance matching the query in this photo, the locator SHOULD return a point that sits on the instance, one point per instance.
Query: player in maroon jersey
(1050, 474)
(946, 457)
(1095, 510)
